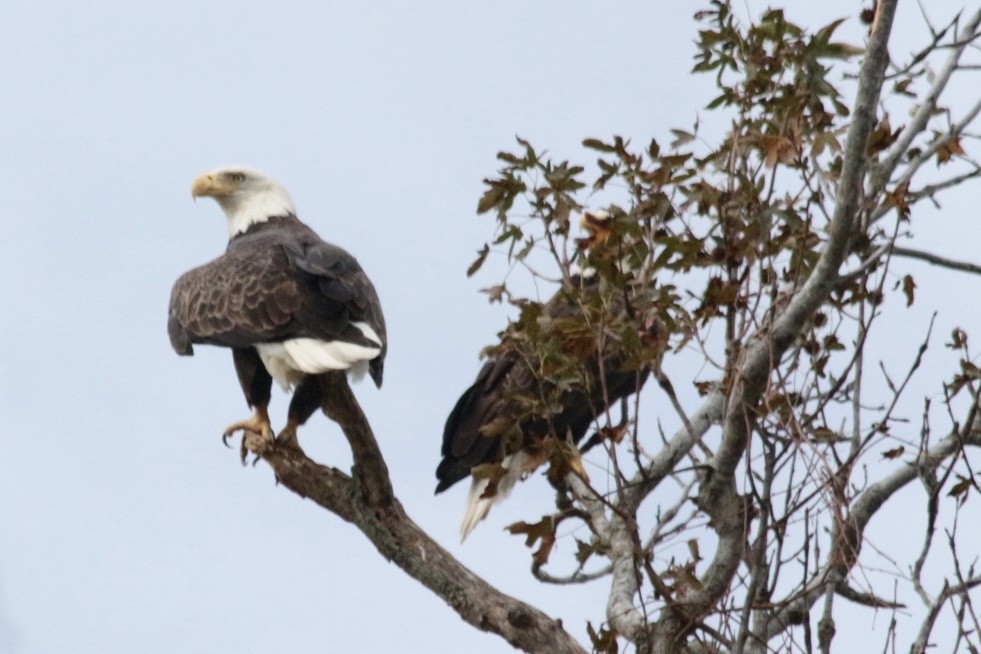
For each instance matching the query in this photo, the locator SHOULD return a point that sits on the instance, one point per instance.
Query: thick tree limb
(366, 500)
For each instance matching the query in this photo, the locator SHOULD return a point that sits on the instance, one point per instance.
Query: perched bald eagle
(481, 427)
(289, 305)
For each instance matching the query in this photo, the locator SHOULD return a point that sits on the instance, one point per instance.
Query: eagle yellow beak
(209, 185)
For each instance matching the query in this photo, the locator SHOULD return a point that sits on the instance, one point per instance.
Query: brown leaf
(491, 198)
(479, 261)
(614, 433)
(543, 530)
(897, 199)
(693, 550)
(894, 453)
(703, 387)
(494, 293)
(684, 577)
(908, 286)
(777, 149)
(958, 339)
(598, 226)
(882, 137)
(604, 641)
(826, 435)
(564, 457)
(961, 488)
(950, 148)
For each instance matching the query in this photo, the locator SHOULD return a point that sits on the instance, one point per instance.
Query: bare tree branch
(936, 259)
(366, 500)
(884, 170)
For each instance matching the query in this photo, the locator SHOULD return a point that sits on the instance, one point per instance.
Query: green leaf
(596, 144)
(490, 199)
(479, 261)
(681, 138)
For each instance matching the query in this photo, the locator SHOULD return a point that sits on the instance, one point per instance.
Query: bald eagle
(289, 305)
(476, 429)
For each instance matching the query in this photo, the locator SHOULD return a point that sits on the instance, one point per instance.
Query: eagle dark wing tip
(376, 371)
(445, 476)
(179, 340)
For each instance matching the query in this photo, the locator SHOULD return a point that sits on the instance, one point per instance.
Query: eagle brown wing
(239, 299)
(338, 295)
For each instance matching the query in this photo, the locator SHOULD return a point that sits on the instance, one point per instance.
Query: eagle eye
(238, 177)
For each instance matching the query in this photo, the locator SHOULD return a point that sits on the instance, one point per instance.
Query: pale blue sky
(125, 526)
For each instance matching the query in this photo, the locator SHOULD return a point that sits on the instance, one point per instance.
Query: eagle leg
(306, 400)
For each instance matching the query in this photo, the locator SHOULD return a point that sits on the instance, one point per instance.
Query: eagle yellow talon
(257, 424)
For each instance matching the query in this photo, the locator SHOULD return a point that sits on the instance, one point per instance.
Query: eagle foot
(287, 437)
(257, 434)
(257, 424)
(256, 443)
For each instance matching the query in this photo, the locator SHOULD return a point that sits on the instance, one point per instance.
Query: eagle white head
(246, 196)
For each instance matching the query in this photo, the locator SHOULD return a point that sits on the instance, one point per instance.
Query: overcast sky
(125, 525)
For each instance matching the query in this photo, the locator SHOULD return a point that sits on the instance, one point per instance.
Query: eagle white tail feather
(478, 507)
(314, 356)
(290, 360)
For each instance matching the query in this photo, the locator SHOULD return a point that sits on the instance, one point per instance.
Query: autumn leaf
(902, 87)
(491, 198)
(897, 200)
(614, 433)
(894, 453)
(604, 641)
(596, 144)
(564, 458)
(908, 286)
(960, 489)
(882, 137)
(494, 293)
(543, 530)
(598, 226)
(479, 261)
(826, 435)
(693, 550)
(948, 149)
(958, 339)
(681, 138)
(777, 149)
